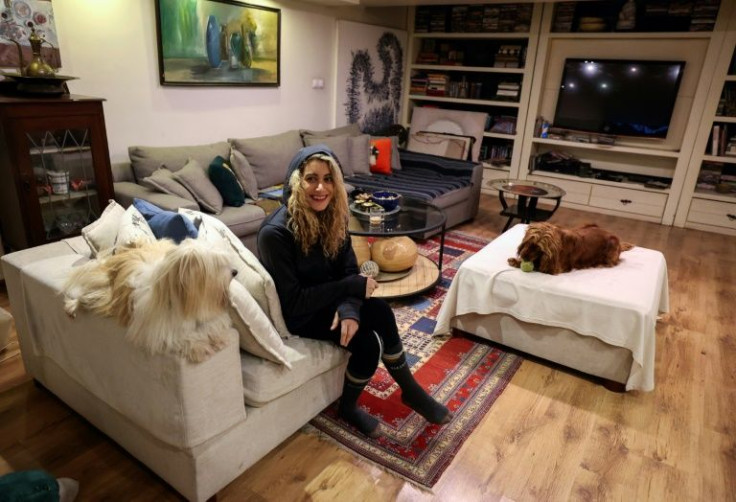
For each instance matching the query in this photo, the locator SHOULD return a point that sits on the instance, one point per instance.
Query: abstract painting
(218, 42)
(370, 69)
(16, 18)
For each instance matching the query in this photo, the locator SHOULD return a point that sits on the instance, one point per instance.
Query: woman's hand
(370, 286)
(348, 328)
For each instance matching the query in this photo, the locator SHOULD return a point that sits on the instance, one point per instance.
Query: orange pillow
(381, 156)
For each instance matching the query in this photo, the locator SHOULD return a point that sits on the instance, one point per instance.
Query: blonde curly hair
(328, 227)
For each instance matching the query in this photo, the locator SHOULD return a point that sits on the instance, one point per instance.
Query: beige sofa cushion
(194, 177)
(264, 381)
(162, 180)
(146, 159)
(269, 156)
(101, 233)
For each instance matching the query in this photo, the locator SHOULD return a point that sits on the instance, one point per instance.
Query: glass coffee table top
(528, 188)
(413, 217)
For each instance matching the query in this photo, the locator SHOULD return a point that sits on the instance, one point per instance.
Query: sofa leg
(617, 387)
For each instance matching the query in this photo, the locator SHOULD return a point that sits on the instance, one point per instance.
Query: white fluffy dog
(173, 299)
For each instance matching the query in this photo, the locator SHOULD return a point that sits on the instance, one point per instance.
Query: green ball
(527, 266)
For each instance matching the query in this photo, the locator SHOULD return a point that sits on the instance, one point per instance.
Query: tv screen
(625, 98)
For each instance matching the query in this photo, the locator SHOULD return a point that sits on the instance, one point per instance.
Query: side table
(528, 193)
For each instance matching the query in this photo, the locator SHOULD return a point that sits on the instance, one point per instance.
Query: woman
(306, 248)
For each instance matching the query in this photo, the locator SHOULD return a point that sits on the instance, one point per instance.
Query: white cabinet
(634, 177)
(476, 58)
(709, 195)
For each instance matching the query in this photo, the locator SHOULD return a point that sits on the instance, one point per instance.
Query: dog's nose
(234, 272)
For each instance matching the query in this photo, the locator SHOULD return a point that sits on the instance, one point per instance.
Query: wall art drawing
(218, 42)
(16, 16)
(370, 71)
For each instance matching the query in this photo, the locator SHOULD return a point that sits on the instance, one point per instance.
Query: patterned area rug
(463, 372)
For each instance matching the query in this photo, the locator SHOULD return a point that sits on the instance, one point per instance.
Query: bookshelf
(708, 201)
(476, 57)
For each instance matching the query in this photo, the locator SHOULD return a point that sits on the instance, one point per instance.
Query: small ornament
(369, 268)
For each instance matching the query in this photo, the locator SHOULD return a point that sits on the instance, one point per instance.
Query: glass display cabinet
(54, 167)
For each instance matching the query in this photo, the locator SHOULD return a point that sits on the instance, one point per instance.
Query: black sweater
(309, 283)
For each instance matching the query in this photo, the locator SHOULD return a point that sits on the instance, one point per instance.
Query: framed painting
(217, 42)
(16, 19)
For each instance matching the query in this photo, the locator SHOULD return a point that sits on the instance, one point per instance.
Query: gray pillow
(360, 154)
(146, 159)
(244, 173)
(340, 145)
(195, 179)
(348, 130)
(162, 180)
(269, 156)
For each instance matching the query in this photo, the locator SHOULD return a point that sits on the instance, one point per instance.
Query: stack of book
(508, 91)
(564, 15)
(437, 84)
(418, 84)
(458, 15)
(508, 56)
(421, 19)
(704, 15)
(438, 20)
(474, 20)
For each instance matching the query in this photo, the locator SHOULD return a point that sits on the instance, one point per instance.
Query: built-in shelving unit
(708, 200)
(633, 177)
(476, 58)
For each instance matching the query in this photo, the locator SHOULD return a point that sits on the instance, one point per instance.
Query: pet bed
(600, 321)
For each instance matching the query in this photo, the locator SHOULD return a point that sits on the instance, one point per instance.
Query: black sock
(412, 394)
(348, 408)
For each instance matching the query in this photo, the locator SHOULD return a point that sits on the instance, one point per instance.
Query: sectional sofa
(155, 174)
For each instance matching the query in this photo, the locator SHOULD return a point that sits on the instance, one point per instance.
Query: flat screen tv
(619, 97)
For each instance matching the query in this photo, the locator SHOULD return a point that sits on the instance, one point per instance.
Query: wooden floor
(552, 435)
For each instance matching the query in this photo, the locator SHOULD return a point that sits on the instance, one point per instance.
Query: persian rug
(463, 372)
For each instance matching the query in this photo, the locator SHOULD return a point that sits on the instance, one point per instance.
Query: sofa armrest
(180, 403)
(122, 171)
(126, 191)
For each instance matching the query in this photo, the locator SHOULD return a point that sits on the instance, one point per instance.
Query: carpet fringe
(313, 431)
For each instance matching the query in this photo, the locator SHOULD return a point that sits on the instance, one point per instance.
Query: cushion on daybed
(146, 159)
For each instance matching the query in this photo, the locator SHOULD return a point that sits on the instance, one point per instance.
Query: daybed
(260, 163)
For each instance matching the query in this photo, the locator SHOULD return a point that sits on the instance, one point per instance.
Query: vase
(212, 42)
(236, 49)
(247, 58)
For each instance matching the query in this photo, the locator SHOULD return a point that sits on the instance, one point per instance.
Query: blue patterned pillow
(166, 224)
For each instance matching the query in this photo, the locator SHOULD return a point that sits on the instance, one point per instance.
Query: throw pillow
(244, 173)
(166, 224)
(395, 157)
(381, 156)
(251, 273)
(257, 334)
(269, 156)
(346, 130)
(162, 180)
(100, 234)
(146, 159)
(133, 228)
(340, 145)
(360, 154)
(194, 178)
(222, 176)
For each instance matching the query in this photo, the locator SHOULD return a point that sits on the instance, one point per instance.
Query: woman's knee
(366, 349)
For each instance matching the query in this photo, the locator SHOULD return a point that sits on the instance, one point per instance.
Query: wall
(110, 46)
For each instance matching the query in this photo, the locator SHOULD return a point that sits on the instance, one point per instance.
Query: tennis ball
(527, 266)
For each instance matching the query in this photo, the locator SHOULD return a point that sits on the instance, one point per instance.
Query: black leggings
(365, 348)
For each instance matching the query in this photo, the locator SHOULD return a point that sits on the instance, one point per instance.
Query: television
(618, 97)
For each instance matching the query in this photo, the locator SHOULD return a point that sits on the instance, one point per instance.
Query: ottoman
(600, 321)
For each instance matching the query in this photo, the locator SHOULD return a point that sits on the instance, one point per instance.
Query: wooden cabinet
(633, 177)
(54, 167)
(709, 193)
(476, 58)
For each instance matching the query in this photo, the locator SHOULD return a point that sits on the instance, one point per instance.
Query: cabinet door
(63, 172)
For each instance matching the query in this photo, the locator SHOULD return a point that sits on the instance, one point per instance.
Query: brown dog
(554, 250)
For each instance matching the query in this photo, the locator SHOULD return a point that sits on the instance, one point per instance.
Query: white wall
(110, 45)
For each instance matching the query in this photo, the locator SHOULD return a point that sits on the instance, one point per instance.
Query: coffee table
(528, 193)
(414, 217)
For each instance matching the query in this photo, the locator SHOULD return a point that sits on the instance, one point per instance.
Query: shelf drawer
(628, 201)
(575, 191)
(711, 212)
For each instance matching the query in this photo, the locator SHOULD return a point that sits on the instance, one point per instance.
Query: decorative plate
(365, 214)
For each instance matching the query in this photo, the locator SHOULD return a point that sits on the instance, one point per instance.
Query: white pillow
(133, 227)
(257, 334)
(100, 235)
(251, 273)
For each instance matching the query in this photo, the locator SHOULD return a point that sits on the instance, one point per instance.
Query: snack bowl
(387, 200)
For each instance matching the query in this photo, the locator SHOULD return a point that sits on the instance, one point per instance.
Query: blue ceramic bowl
(387, 200)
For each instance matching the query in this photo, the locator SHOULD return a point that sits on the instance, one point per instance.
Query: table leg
(442, 249)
